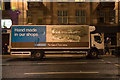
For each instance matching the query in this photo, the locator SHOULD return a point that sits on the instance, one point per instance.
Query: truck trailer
(34, 40)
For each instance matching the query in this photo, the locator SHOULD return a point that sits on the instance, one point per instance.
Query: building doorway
(5, 43)
(101, 20)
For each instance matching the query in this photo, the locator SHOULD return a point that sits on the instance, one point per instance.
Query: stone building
(104, 15)
(117, 9)
(100, 14)
(14, 10)
(59, 13)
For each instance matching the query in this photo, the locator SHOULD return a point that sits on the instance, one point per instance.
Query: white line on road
(73, 63)
(117, 65)
(4, 64)
(64, 63)
(102, 60)
(62, 73)
(60, 63)
(109, 62)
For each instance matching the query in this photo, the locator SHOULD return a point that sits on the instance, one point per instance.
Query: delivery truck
(34, 40)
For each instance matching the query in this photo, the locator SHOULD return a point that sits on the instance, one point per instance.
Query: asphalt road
(60, 67)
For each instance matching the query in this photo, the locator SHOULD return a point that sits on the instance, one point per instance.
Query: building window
(7, 6)
(29, 17)
(62, 17)
(101, 17)
(62, 0)
(112, 16)
(40, 21)
(59, 13)
(28, 13)
(102, 14)
(80, 0)
(80, 16)
(107, 0)
(29, 20)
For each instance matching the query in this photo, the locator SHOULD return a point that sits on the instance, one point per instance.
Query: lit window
(6, 23)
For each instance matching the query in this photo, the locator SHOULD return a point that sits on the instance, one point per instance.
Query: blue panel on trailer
(28, 34)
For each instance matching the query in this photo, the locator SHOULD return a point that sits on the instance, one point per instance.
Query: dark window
(7, 6)
(62, 17)
(65, 20)
(29, 20)
(101, 20)
(64, 13)
(77, 13)
(112, 16)
(59, 13)
(28, 4)
(80, 16)
(29, 17)
(40, 20)
(101, 16)
(28, 13)
(59, 20)
(97, 39)
(80, 1)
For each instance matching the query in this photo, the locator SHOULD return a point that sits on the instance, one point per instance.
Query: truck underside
(39, 53)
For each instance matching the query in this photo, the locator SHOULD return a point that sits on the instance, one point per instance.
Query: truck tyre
(93, 53)
(37, 55)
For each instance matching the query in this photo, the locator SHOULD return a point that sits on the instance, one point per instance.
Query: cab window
(97, 39)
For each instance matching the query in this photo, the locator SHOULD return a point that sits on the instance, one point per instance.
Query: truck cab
(97, 41)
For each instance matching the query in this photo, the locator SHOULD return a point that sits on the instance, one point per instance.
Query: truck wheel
(93, 53)
(37, 55)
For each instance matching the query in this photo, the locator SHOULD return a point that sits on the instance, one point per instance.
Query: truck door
(97, 40)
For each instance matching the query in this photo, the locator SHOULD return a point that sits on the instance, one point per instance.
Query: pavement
(60, 67)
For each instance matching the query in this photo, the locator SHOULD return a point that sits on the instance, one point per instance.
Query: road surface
(61, 67)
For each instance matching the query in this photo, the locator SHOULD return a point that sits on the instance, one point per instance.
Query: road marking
(109, 62)
(64, 63)
(62, 73)
(4, 64)
(102, 60)
(117, 65)
(74, 63)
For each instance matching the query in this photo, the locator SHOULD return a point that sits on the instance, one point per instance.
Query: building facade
(100, 14)
(59, 13)
(104, 15)
(14, 10)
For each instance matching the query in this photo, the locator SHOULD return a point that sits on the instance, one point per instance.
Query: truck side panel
(50, 37)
